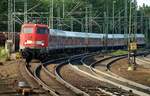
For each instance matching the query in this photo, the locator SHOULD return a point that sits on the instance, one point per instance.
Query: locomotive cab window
(41, 30)
(27, 30)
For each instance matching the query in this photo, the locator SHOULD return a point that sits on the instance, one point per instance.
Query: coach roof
(62, 33)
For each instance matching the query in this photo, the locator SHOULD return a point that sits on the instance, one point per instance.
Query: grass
(119, 52)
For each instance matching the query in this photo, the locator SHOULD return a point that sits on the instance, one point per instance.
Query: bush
(3, 53)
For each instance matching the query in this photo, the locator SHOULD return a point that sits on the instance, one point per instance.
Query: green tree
(3, 15)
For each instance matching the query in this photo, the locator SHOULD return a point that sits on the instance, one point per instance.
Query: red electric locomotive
(34, 37)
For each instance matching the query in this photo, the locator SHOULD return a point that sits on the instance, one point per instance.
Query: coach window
(42, 30)
(27, 30)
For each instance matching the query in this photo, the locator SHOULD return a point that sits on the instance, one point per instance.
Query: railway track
(27, 73)
(104, 86)
(62, 78)
(24, 75)
(50, 82)
(5, 89)
(52, 68)
(37, 86)
(101, 69)
(87, 88)
(145, 61)
(49, 79)
(79, 80)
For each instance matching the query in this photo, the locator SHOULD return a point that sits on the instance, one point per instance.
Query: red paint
(33, 36)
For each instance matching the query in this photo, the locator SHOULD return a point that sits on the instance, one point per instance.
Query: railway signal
(132, 53)
(132, 46)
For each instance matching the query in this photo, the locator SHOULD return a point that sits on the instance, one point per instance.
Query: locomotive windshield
(27, 30)
(42, 30)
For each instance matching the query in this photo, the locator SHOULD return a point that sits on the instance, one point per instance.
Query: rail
(61, 80)
(44, 86)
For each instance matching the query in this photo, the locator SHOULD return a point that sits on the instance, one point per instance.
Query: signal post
(132, 48)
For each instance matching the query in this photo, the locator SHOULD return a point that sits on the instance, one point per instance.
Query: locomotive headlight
(28, 42)
(40, 43)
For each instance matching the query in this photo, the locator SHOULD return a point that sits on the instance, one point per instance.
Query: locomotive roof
(34, 25)
(55, 32)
